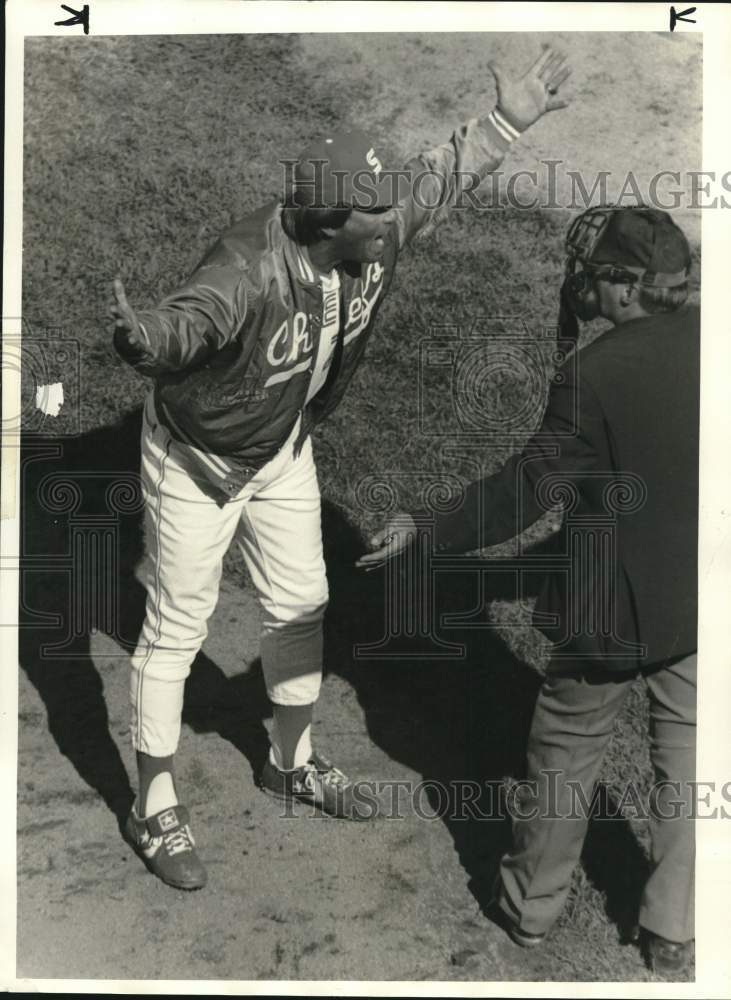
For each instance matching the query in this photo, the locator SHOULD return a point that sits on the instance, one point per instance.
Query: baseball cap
(646, 241)
(342, 169)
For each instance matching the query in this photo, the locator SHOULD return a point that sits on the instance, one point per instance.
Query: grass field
(138, 151)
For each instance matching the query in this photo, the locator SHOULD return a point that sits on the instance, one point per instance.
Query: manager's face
(363, 237)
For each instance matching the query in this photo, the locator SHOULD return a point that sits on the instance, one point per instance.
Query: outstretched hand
(525, 99)
(128, 337)
(389, 542)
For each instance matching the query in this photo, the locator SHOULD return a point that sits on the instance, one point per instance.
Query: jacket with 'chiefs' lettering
(232, 350)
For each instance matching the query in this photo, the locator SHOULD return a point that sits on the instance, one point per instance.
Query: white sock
(161, 794)
(302, 752)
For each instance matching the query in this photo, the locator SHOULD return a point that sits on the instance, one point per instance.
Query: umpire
(254, 350)
(620, 430)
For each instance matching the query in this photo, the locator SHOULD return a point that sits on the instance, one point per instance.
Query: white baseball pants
(276, 523)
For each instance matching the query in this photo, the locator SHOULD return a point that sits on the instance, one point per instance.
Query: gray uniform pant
(571, 728)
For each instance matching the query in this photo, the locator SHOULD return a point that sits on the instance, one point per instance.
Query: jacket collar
(649, 322)
(300, 271)
(298, 260)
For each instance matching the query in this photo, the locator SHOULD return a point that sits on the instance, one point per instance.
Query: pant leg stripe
(158, 560)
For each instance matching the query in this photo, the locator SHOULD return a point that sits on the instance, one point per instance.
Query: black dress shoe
(662, 956)
(523, 938)
(501, 918)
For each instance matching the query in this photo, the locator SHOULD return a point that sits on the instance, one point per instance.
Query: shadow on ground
(454, 722)
(81, 547)
(461, 724)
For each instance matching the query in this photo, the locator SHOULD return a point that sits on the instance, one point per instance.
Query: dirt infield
(290, 896)
(163, 141)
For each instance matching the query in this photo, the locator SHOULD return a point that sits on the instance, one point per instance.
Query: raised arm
(187, 327)
(445, 175)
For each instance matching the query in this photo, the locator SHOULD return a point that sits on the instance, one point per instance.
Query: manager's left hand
(525, 99)
(389, 542)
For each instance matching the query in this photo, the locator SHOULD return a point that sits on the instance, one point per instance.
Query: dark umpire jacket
(618, 451)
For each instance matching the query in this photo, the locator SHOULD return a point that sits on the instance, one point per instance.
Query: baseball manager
(248, 356)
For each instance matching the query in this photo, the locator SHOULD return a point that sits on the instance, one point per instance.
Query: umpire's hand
(389, 542)
(525, 99)
(129, 339)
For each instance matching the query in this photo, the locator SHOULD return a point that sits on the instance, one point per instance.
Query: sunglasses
(378, 210)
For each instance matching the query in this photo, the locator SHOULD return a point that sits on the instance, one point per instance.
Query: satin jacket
(232, 350)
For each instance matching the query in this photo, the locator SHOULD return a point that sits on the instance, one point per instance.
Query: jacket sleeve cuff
(453, 533)
(133, 353)
(447, 533)
(500, 129)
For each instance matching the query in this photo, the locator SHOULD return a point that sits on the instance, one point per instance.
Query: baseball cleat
(320, 784)
(166, 845)
(663, 957)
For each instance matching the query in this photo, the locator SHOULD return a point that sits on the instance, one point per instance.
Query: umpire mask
(578, 292)
(579, 295)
